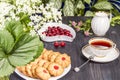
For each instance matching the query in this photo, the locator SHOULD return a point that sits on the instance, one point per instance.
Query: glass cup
(100, 47)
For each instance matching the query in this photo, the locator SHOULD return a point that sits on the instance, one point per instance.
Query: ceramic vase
(100, 23)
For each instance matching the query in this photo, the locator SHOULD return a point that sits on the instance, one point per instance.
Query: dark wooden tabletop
(92, 70)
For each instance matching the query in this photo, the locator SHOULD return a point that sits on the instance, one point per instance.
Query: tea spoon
(77, 69)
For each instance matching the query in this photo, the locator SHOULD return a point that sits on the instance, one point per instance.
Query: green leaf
(4, 78)
(103, 5)
(24, 50)
(15, 28)
(87, 1)
(24, 17)
(17, 47)
(68, 9)
(57, 3)
(115, 12)
(40, 50)
(89, 13)
(80, 5)
(6, 41)
(5, 68)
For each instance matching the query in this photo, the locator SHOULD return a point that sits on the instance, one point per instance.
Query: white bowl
(58, 37)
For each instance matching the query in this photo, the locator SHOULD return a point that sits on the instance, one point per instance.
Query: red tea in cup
(101, 46)
(101, 43)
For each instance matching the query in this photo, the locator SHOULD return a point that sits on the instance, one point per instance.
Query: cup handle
(110, 17)
(114, 46)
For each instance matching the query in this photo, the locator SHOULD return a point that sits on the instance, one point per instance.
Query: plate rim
(117, 52)
(52, 78)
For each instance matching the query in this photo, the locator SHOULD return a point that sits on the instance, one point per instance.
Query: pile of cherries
(57, 30)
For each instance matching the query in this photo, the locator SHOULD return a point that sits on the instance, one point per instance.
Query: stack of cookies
(49, 64)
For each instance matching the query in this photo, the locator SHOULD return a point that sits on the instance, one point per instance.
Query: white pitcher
(100, 23)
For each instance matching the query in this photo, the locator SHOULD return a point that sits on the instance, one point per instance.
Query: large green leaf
(68, 9)
(17, 47)
(8, 1)
(89, 13)
(5, 67)
(24, 50)
(80, 5)
(6, 41)
(87, 1)
(57, 3)
(15, 28)
(103, 5)
(4, 78)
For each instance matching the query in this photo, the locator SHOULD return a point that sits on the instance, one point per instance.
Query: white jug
(100, 23)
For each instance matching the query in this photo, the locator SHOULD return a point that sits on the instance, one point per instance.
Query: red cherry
(56, 67)
(62, 44)
(63, 58)
(56, 44)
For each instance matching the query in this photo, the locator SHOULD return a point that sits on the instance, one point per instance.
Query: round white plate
(114, 54)
(52, 78)
(58, 37)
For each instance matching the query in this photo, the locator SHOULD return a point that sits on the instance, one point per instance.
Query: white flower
(32, 32)
(31, 24)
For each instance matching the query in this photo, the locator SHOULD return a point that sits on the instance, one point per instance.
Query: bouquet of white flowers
(43, 15)
(31, 13)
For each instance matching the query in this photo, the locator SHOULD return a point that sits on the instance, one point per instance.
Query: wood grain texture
(93, 70)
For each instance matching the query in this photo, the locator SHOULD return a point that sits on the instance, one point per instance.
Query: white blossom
(46, 14)
(32, 32)
(35, 9)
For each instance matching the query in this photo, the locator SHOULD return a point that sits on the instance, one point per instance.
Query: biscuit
(41, 62)
(55, 69)
(19, 68)
(63, 60)
(33, 71)
(46, 64)
(45, 54)
(53, 56)
(42, 73)
(41, 56)
(44, 50)
(22, 70)
(28, 70)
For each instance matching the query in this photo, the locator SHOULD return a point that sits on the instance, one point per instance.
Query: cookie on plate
(46, 64)
(41, 56)
(53, 56)
(45, 54)
(42, 73)
(28, 70)
(41, 62)
(55, 69)
(33, 71)
(22, 70)
(63, 60)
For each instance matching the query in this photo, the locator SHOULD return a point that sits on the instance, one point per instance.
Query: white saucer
(66, 70)
(114, 54)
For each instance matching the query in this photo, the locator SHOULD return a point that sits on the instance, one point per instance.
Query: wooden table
(93, 70)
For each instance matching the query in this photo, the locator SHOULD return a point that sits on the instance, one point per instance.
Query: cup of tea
(100, 47)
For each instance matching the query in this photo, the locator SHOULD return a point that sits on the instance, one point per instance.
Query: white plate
(52, 78)
(114, 54)
(58, 37)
